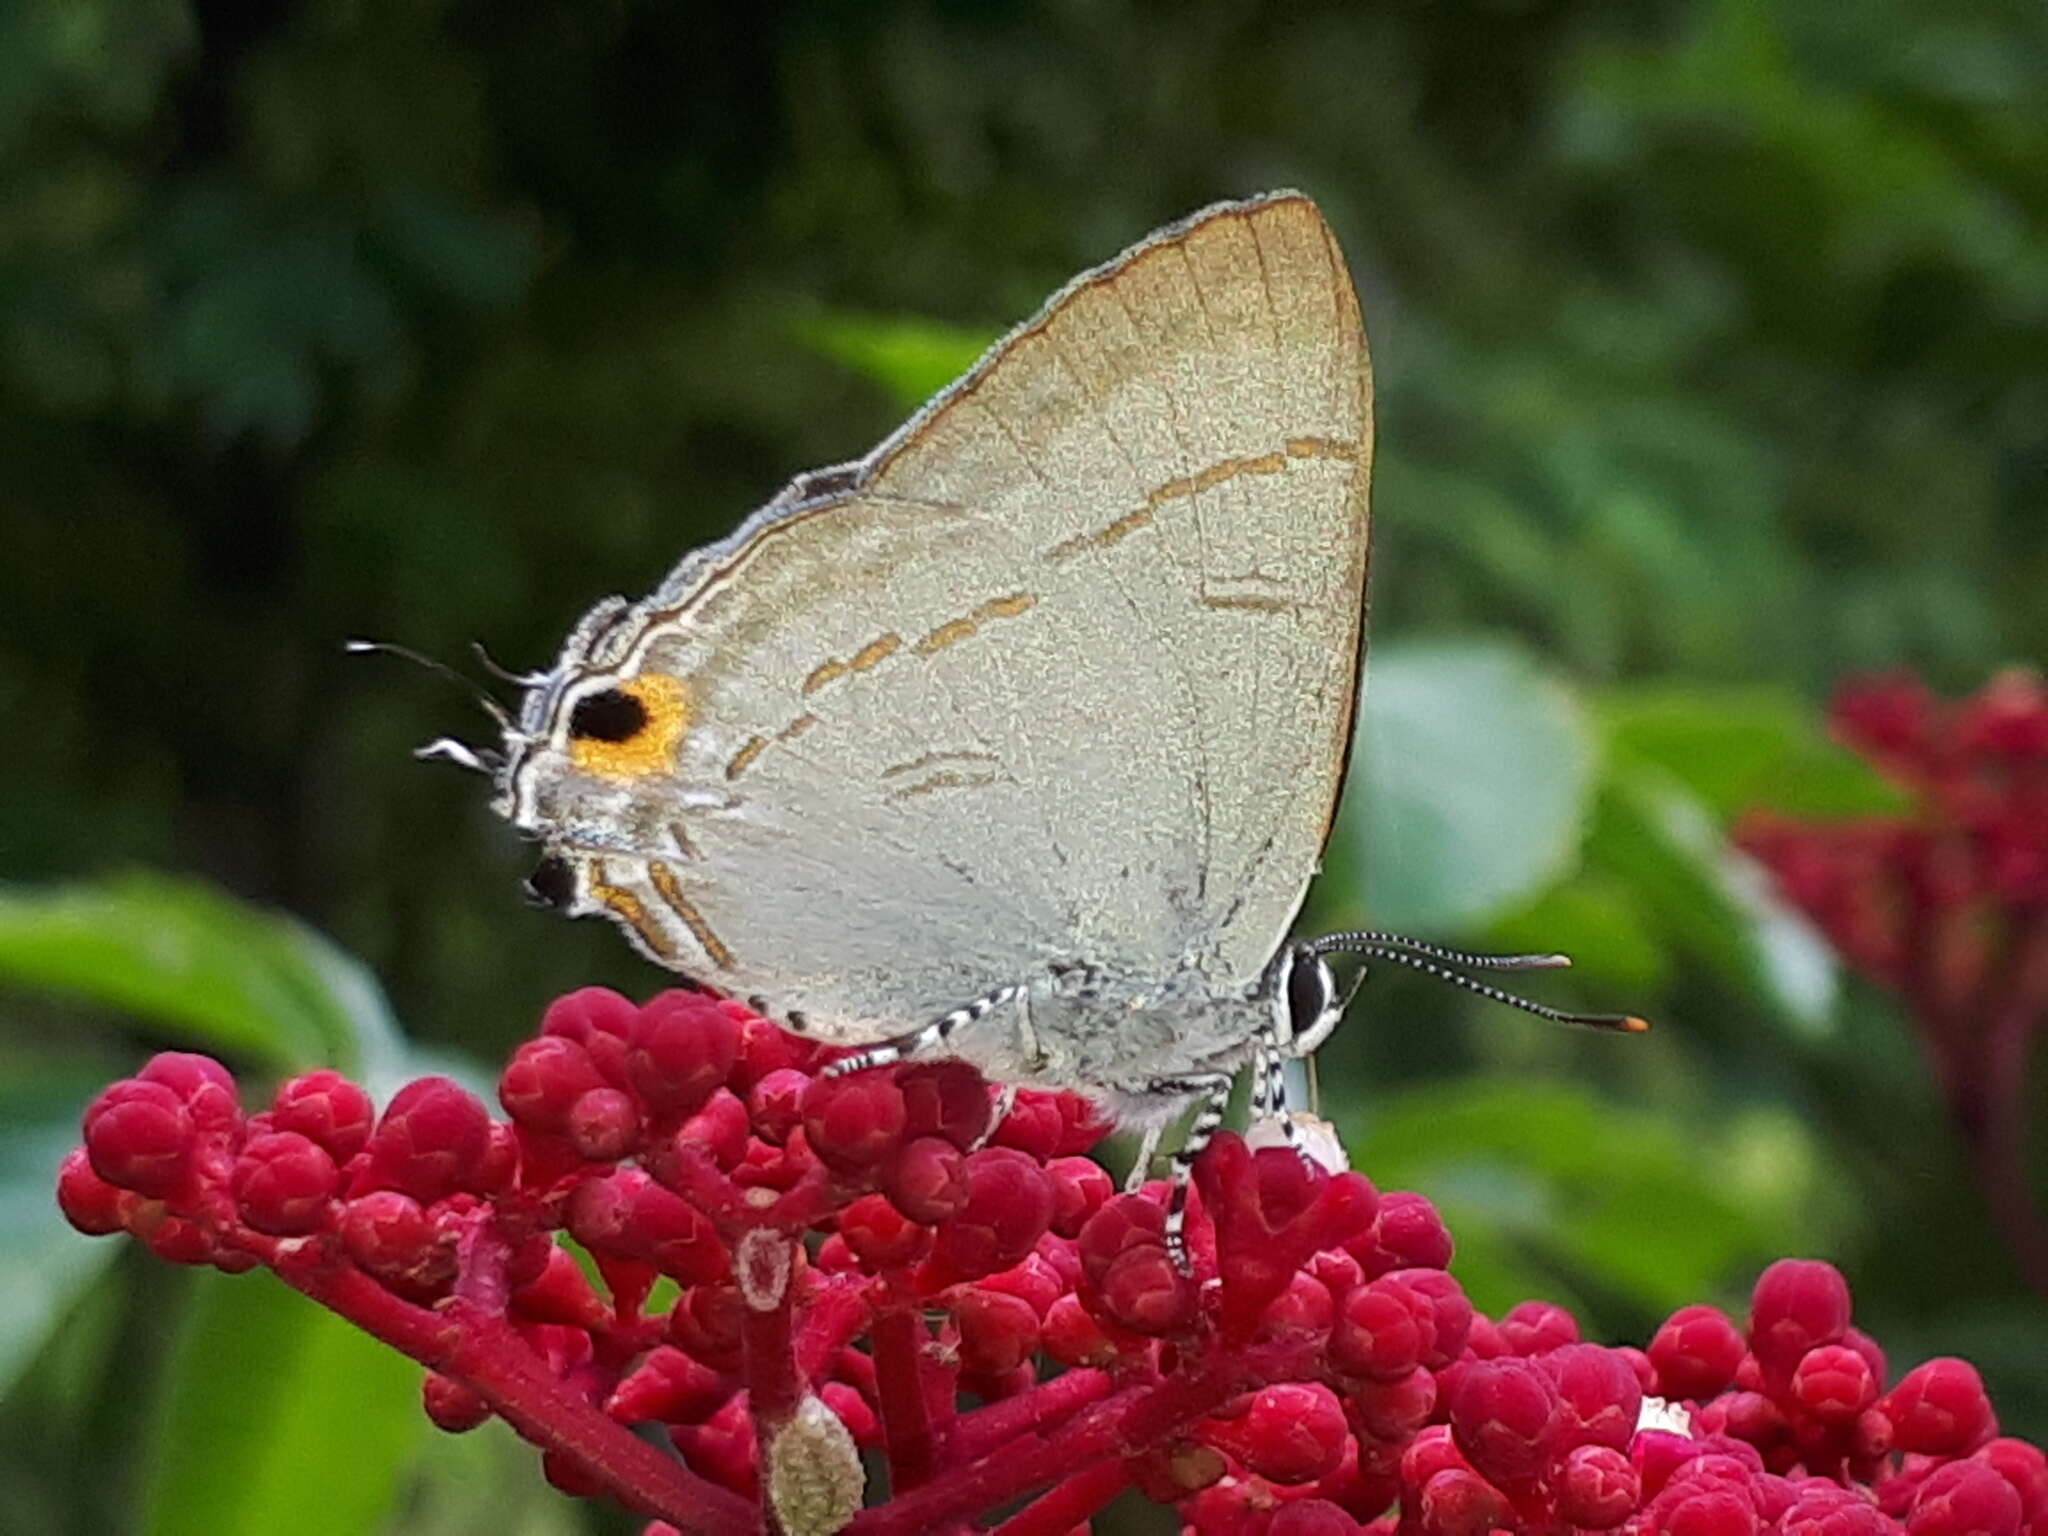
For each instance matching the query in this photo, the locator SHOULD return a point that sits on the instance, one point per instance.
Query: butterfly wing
(1062, 673)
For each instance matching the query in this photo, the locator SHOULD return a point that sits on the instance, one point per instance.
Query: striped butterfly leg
(1269, 1092)
(925, 1041)
(1212, 1091)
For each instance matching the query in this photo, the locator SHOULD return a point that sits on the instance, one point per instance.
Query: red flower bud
(706, 1323)
(668, 1387)
(852, 1123)
(89, 1202)
(998, 1333)
(1599, 1398)
(1965, 1498)
(947, 1099)
(283, 1182)
(604, 1125)
(543, 1081)
(681, 1048)
(721, 1128)
(203, 1086)
(1598, 1489)
(1288, 1434)
(927, 1180)
(1311, 1517)
(1080, 1188)
(1798, 1305)
(2025, 1467)
(450, 1406)
(1537, 1327)
(1834, 1384)
(1504, 1414)
(1940, 1409)
(1391, 1411)
(775, 1104)
(327, 1108)
(880, 1235)
(1407, 1233)
(433, 1140)
(392, 1238)
(1450, 1314)
(1457, 1502)
(1009, 1207)
(1072, 1337)
(600, 1021)
(1144, 1291)
(1124, 1221)
(140, 1136)
(1381, 1331)
(1695, 1353)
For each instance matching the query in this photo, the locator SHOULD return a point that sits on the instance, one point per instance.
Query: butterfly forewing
(1061, 674)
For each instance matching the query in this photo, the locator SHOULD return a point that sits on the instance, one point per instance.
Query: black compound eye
(552, 883)
(1311, 992)
(612, 715)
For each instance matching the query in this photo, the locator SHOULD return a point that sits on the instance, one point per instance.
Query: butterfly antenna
(1365, 936)
(504, 674)
(446, 749)
(1418, 956)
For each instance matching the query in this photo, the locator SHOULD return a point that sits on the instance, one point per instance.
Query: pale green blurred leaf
(44, 1264)
(1469, 784)
(1741, 747)
(216, 974)
(1554, 1194)
(1713, 902)
(911, 358)
(484, 1483)
(277, 1416)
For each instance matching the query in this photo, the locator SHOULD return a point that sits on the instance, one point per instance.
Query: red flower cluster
(866, 1269)
(1946, 903)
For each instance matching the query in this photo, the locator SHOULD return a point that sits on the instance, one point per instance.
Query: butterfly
(1028, 727)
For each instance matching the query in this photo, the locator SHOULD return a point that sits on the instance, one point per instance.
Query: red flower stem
(979, 1433)
(692, 1174)
(898, 1339)
(765, 1262)
(1081, 1496)
(482, 1352)
(1120, 1425)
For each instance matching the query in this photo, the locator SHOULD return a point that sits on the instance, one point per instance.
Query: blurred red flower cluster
(1946, 903)
(866, 1273)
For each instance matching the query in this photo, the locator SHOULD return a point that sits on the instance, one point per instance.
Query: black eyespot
(612, 715)
(552, 883)
(1311, 992)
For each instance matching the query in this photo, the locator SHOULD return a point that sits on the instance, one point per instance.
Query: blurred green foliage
(1712, 354)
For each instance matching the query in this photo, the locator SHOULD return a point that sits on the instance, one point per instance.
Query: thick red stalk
(1081, 1496)
(898, 1340)
(1120, 1425)
(1031, 1412)
(481, 1351)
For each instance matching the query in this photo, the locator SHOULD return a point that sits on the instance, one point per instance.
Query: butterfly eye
(552, 883)
(612, 715)
(1311, 994)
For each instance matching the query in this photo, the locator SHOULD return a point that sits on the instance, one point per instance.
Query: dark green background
(1712, 356)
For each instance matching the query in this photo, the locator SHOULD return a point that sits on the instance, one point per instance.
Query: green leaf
(911, 358)
(1552, 1193)
(219, 975)
(44, 1264)
(277, 1416)
(1471, 777)
(1652, 833)
(1741, 747)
